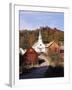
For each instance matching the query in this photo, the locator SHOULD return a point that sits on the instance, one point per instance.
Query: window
(61, 51)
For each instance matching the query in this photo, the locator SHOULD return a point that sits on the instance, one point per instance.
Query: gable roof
(22, 51)
(49, 44)
(30, 51)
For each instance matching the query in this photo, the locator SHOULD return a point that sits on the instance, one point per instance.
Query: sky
(32, 20)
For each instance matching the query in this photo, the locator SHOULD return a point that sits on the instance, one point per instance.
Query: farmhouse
(52, 47)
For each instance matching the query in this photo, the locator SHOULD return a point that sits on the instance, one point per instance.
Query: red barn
(30, 57)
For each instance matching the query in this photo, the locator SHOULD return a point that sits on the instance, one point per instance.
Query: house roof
(49, 44)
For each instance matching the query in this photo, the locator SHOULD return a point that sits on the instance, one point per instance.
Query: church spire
(40, 37)
(39, 46)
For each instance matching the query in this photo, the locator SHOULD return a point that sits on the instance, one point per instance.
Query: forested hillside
(28, 37)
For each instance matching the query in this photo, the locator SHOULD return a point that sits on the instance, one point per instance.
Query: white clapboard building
(39, 46)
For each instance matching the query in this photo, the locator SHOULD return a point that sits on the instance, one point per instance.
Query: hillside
(28, 37)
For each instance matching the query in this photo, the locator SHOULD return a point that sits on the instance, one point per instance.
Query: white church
(39, 46)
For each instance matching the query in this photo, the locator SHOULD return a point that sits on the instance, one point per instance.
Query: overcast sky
(32, 20)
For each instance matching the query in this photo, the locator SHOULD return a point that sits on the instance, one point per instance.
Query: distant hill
(28, 37)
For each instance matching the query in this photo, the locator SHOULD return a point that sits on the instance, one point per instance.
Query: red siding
(31, 56)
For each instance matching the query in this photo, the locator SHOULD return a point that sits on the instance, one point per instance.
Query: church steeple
(39, 45)
(40, 37)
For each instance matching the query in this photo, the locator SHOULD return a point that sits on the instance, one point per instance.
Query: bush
(54, 56)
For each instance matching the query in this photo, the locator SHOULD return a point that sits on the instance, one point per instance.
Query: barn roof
(30, 50)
